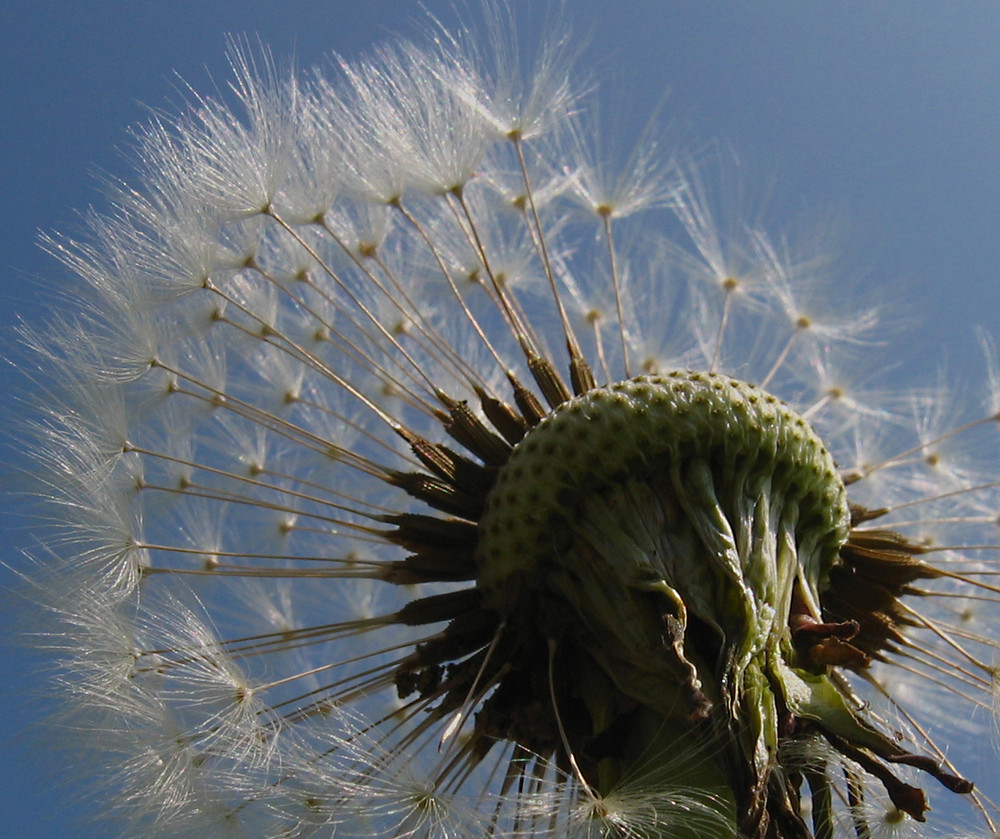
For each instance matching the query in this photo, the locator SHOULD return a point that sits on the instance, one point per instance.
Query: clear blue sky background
(886, 113)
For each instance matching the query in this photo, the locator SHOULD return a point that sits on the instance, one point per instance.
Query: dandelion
(413, 472)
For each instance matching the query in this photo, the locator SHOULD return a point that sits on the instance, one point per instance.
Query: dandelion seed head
(392, 494)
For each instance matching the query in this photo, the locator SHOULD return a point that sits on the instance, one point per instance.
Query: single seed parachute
(391, 495)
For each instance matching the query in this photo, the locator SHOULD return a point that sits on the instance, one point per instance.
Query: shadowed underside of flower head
(394, 496)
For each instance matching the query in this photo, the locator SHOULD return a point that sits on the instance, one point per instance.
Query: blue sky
(884, 114)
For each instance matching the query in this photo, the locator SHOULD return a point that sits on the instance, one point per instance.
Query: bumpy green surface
(637, 427)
